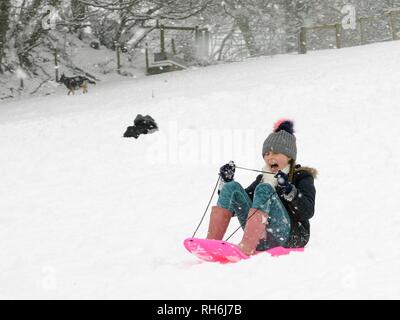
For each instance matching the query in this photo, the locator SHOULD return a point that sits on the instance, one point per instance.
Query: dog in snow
(76, 83)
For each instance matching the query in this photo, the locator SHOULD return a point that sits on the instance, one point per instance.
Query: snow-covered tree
(4, 16)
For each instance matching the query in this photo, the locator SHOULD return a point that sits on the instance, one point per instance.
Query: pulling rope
(204, 214)
(248, 218)
(212, 195)
(269, 172)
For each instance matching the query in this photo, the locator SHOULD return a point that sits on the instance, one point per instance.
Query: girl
(275, 209)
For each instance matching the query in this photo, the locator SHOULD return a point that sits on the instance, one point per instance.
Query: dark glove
(227, 171)
(283, 182)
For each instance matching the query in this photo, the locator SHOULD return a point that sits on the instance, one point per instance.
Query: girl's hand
(227, 171)
(283, 182)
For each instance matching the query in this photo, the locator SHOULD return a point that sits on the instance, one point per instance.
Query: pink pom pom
(279, 122)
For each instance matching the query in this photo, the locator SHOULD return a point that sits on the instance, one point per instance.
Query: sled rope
(269, 172)
(212, 196)
(248, 218)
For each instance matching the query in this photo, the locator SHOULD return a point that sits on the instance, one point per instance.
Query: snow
(85, 213)
(20, 74)
(101, 64)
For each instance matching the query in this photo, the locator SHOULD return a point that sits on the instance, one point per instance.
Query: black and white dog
(75, 83)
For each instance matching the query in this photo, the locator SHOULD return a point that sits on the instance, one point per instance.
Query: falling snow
(99, 216)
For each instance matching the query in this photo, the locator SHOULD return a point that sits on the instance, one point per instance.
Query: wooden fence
(338, 30)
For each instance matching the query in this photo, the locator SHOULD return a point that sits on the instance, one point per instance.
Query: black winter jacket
(301, 208)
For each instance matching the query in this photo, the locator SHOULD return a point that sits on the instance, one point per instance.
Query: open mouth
(274, 166)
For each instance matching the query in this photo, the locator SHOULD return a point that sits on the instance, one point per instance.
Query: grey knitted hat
(282, 140)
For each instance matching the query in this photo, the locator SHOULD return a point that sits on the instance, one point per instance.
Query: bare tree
(78, 10)
(28, 29)
(121, 18)
(243, 13)
(4, 17)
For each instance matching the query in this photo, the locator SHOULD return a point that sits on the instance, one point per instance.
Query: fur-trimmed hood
(313, 172)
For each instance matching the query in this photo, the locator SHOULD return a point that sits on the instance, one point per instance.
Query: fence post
(206, 43)
(147, 58)
(21, 80)
(338, 27)
(56, 63)
(173, 46)
(362, 35)
(118, 57)
(303, 41)
(162, 38)
(394, 34)
(197, 41)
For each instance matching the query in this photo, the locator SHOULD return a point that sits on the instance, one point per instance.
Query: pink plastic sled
(225, 252)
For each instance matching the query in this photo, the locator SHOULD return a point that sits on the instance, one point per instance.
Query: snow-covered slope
(85, 213)
(75, 57)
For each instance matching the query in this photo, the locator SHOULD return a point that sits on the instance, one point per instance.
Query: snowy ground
(85, 213)
(78, 58)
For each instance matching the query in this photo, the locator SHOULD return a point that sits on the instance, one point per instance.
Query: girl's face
(276, 161)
